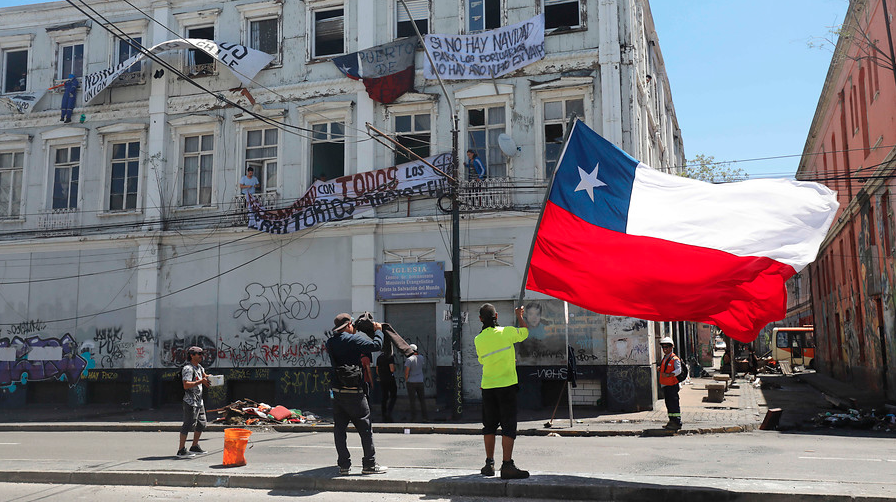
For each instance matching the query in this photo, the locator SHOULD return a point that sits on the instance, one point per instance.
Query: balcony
(59, 222)
(239, 212)
(200, 70)
(486, 195)
(130, 78)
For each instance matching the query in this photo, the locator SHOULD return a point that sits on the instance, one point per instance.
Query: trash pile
(856, 419)
(248, 412)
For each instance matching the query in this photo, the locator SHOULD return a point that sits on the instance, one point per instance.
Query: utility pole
(457, 403)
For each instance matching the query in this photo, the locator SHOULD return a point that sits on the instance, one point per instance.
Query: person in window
(248, 182)
(475, 166)
(70, 90)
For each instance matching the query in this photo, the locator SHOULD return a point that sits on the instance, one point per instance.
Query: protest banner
(24, 102)
(485, 55)
(243, 61)
(352, 195)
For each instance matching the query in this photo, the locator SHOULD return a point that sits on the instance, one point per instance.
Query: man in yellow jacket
(494, 348)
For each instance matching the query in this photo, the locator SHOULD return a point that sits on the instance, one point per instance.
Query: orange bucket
(235, 441)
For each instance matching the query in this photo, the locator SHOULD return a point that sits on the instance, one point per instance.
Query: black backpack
(684, 372)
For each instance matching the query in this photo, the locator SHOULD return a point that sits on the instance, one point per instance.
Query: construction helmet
(667, 340)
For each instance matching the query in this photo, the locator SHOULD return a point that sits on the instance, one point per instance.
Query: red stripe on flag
(618, 274)
(387, 89)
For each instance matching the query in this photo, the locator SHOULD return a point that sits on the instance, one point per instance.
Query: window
(71, 61)
(11, 164)
(15, 71)
(264, 35)
(125, 173)
(328, 150)
(199, 62)
(419, 11)
(328, 32)
(261, 154)
(413, 133)
(556, 118)
(484, 15)
(484, 125)
(197, 172)
(65, 177)
(561, 15)
(127, 49)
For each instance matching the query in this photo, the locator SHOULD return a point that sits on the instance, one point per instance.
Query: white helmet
(667, 339)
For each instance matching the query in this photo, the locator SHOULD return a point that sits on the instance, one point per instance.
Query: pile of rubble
(856, 419)
(248, 412)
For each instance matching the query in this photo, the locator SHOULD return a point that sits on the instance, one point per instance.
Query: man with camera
(346, 347)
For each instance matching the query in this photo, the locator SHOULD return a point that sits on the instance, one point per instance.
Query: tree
(705, 168)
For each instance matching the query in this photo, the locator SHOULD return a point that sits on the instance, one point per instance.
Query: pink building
(850, 148)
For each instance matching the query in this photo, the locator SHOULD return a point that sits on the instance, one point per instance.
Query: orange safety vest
(667, 365)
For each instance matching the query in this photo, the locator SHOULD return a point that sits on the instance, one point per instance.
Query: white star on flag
(589, 181)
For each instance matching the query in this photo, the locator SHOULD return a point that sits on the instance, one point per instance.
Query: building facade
(850, 148)
(123, 234)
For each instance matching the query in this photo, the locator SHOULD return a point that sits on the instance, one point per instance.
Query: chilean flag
(387, 70)
(620, 238)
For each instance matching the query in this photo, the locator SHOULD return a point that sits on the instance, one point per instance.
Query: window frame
(467, 16)
(13, 148)
(413, 114)
(327, 111)
(485, 128)
(398, 11)
(483, 95)
(69, 38)
(263, 162)
(582, 14)
(314, 7)
(262, 11)
(52, 140)
(195, 126)
(182, 147)
(197, 20)
(54, 167)
(549, 94)
(15, 43)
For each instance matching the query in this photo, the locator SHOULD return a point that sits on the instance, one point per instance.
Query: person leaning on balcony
(248, 182)
(475, 165)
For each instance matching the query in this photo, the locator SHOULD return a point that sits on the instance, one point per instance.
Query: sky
(745, 81)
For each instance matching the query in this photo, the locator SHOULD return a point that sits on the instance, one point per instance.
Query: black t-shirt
(382, 367)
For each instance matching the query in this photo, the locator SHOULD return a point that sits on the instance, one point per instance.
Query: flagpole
(547, 194)
(568, 367)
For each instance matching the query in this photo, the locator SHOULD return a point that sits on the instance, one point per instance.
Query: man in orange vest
(669, 369)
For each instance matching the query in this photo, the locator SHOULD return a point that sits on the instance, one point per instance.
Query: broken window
(561, 15)
(419, 12)
(484, 15)
(71, 61)
(327, 150)
(125, 173)
(261, 154)
(484, 125)
(15, 71)
(264, 35)
(199, 62)
(412, 131)
(11, 164)
(556, 119)
(328, 32)
(197, 171)
(66, 164)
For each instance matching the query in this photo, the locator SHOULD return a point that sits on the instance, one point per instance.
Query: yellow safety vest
(494, 348)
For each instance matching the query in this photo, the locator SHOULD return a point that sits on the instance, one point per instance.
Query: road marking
(9, 443)
(844, 458)
(353, 447)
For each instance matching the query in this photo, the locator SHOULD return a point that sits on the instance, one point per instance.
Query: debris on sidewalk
(248, 412)
(856, 419)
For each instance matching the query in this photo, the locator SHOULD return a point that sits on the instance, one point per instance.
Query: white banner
(24, 103)
(352, 195)
(243, 61)
(485, 55)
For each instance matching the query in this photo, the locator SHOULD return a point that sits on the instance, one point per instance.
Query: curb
(379, 429)
(560, 488)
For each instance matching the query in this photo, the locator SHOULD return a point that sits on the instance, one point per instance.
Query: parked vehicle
(796, 344)
(720, 345)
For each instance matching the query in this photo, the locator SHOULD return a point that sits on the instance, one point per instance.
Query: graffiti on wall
(263, 303)
(272, 343)
(38, 359)
(26, 327)
(174, 349)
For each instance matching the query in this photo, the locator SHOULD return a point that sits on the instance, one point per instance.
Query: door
(416, 323)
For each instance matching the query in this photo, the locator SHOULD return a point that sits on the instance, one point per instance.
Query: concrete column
(366, 151)
(610, 63)
(157, 178)
(363, 273)
(147, 310)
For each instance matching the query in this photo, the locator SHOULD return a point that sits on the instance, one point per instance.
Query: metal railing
(239, 212)
(59, 222)
(200, 70)
(129, 78)
(487, 194)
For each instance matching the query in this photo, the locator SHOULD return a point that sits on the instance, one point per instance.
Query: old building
(123, 235)
(851, 149)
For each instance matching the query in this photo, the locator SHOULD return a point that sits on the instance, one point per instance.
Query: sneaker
(374, 469)
(672, 426)
(197, 449)
(510, 471)
(182, 453)
(489, 468)
(344, 471)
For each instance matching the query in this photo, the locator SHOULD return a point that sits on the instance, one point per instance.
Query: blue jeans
(355, 409)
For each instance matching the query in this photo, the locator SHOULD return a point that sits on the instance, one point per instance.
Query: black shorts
(499, 407)
(194, 419)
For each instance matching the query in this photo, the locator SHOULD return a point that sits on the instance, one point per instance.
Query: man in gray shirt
(413, 377)
(193, 376)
